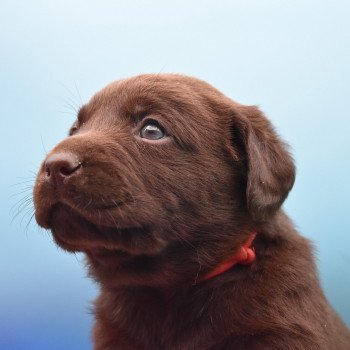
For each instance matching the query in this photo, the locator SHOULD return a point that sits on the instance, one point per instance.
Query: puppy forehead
(145, 93)
(150, 93)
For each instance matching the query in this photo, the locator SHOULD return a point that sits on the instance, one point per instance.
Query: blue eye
(152, 131)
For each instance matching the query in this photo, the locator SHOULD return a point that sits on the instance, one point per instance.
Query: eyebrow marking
(137, 112)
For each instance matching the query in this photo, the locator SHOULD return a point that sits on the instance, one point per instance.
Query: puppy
(174, 192)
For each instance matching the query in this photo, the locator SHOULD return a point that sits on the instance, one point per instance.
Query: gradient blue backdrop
(292, 58)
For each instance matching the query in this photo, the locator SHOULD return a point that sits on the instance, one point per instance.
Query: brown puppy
(174, 191)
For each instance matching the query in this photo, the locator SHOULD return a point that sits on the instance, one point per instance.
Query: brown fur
(155, 216)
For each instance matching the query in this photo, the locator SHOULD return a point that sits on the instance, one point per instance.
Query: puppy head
(156, 164)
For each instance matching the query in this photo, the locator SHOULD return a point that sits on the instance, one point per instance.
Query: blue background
(292, 58)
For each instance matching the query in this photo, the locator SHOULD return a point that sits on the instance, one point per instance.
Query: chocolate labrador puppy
(174, 192)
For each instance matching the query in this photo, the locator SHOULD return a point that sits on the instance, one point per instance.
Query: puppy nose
(59, 166)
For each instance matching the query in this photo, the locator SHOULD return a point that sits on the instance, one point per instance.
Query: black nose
(59, 166)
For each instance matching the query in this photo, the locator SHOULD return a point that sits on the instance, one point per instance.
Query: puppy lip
(99, 240)
(92, 219)
(93, 214)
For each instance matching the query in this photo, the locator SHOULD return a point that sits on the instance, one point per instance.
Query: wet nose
(59, 166)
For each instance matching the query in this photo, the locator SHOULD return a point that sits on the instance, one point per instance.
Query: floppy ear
(269, 166)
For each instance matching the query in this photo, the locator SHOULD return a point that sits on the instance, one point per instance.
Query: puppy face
(157, 164)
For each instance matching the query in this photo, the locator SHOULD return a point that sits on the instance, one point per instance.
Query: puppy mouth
(102, 214)
(76, 232)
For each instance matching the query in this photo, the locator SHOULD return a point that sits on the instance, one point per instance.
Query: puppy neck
(244, 256)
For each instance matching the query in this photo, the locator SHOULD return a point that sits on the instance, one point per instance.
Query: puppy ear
(269, 166)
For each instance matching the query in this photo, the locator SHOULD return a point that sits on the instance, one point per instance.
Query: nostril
(69, 169)
(61, 165)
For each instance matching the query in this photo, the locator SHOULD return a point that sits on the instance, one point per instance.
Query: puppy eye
(152, 131)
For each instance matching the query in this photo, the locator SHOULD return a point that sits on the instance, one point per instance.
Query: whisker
(73, 97)
(25, 210)
(24, 190)
(76, 258)
(28, 223)
(20, 209)
(28, 196)
(86, 207)
(77, 90)
(72, 100)
(70, 105)
(119, 210)
(113, 219)
(22, 182)
(42, 143)
(129, 193)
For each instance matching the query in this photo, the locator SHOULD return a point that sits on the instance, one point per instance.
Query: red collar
(244, 256)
